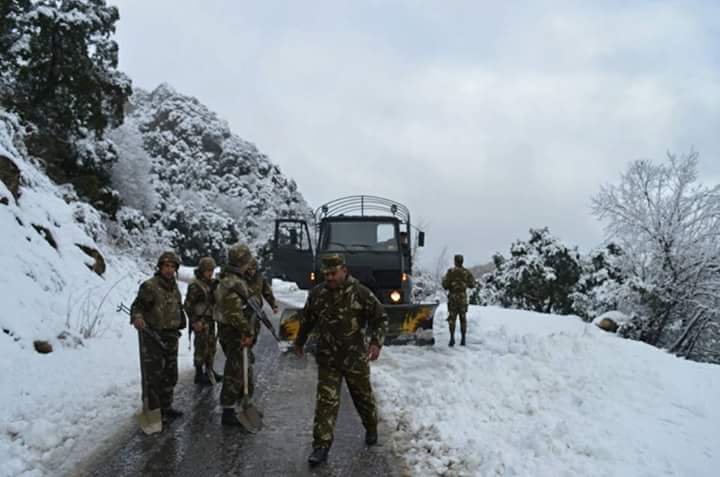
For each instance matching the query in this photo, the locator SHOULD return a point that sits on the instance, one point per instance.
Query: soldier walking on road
(339, 310)
(158, 309)
(456, 281)
(234, 329)
(199, 304)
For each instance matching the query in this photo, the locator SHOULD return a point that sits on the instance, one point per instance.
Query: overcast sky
(484, 118)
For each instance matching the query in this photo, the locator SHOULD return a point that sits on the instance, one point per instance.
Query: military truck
(374, 234)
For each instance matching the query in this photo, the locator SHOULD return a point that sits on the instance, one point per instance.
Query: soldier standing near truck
(456, 281)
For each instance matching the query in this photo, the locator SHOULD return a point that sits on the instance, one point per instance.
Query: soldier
(234, 329)
(199, 308)
(340, 308)
(158, 307)
(260, 288)
(456, 281)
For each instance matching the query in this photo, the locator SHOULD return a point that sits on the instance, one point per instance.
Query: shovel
(249, 412)
(150, 420)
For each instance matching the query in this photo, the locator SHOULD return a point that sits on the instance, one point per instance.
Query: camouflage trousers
(205, 345)
(457, 309)
(160, 367)
(233, 386)
(327, 402)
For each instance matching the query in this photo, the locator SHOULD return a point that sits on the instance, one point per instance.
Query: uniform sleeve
(376, 318)
(143, 303)
(471, 282)
(446, 281)
(308, 318)
(267, 293)
(193, 296)
(232, 305)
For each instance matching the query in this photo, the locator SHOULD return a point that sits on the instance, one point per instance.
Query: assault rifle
(123, 308)
(256, 306)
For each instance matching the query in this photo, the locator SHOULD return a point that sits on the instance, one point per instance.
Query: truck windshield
(360, 236)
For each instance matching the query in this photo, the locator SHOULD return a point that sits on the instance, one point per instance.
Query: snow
(56, 408)
(543, 395)
(540, 395)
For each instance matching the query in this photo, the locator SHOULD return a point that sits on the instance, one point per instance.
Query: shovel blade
(150, 420)
(253, 415)
(246, 423)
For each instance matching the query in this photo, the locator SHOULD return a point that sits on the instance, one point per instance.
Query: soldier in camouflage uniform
(339, 310)
(260, 288)
(234, 329)
(158, 307)
(199, 308)
(456, 281)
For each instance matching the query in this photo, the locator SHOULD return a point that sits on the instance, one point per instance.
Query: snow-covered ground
(544, 395)
(56, 408)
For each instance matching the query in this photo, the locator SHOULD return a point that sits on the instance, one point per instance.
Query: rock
(99, 265)
(42, 347)
(608, 325)
(10, 175)
(46, 234)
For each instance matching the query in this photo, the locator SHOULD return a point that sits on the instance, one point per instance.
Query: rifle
(256, 307)
(148, 331)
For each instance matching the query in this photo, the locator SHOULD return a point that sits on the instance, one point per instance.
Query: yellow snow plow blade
(407, 324)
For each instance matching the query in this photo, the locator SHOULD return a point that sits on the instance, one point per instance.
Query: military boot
(200, 376)
(462, 340)
(452, 336)
(229, 418)
(318, 456)
(371, 438)
(169, 413)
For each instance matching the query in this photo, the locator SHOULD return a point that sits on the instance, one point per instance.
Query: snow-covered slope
(56, 407)
(546, 395)
(188, 173)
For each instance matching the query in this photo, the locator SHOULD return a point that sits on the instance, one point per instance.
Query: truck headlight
(395, 296)
(312, 277)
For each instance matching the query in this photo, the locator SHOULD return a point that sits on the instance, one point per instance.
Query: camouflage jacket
(340, 317)
(231, 294)
(456, 281)
(159, 304)
(199, 299)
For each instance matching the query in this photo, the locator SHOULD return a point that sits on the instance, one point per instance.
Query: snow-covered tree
(668, 225)
(539, 275)
(602, 285)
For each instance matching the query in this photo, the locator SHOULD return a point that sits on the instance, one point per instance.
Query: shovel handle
(245, 373)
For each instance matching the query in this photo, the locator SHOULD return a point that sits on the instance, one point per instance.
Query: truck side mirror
(421, 239)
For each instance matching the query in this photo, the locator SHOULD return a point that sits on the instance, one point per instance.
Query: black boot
(200, 376)
(462, 340)
(318, 456)
(371, 438)
(452, 335)
(229, 418)
(170, 413)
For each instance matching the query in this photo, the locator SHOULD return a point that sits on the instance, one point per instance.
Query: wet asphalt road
(197, 445)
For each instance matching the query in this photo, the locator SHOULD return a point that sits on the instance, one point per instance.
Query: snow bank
(55, 408)
(544, 395)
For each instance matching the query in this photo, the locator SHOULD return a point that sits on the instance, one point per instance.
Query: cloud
(485, 120)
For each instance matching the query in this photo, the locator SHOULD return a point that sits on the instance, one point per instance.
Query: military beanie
(458, 260)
